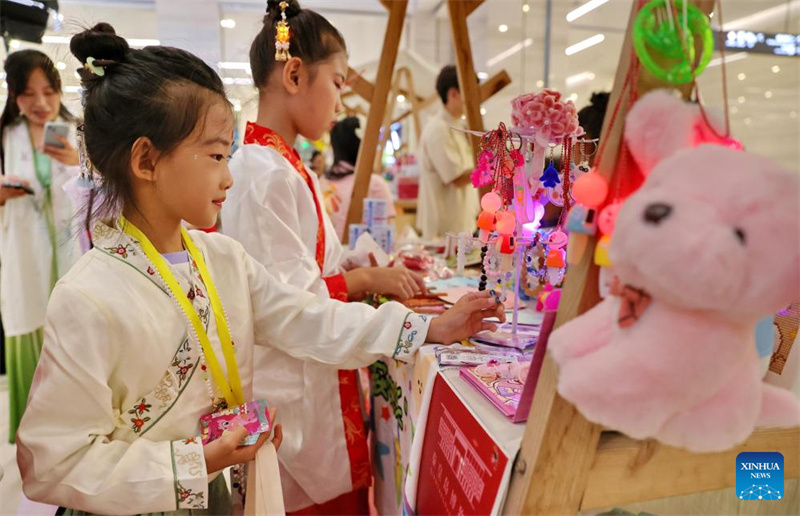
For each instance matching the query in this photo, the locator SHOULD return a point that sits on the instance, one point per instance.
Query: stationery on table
(501, 384)
(526, 336)
(510, 386)
(460, 355)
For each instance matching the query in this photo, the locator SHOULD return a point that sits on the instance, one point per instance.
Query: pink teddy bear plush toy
(707, 247)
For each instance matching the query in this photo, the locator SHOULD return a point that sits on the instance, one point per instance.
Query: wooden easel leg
(383, 82)
(467, 79)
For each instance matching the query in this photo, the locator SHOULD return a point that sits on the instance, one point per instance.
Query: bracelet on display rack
(500, 280)
(484, 276)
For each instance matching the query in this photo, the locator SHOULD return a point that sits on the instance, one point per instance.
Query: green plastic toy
(657, 33)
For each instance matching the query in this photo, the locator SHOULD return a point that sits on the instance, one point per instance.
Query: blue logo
(759, 476)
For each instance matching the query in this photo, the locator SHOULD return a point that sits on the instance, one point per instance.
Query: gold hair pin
(282, 35)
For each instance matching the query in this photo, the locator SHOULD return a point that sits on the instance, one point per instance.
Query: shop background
(763, 91)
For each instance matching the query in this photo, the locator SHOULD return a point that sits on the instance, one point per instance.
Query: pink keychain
(253, 415)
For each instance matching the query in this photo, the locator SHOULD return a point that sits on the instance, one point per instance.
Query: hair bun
(600, 100)
(274, 8)
(100, 42)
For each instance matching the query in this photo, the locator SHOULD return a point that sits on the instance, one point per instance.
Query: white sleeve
(277, 244)
(66, 453)
(346, 335)
(445, 154)
(334, 251)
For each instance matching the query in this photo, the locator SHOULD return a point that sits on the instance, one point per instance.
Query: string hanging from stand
(695, 92)
(496, 142)
(566, 156)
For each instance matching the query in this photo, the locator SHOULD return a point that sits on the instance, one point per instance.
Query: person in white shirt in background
(447, 201)
(37, 241)
(338, 181)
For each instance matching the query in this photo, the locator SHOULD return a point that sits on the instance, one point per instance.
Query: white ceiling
(766, 125)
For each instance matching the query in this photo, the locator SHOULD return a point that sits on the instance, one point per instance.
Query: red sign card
(461, 467)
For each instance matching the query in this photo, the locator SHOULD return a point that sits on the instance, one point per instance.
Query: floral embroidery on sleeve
(139, 419)
(189, 470)
(143, 415)
(412, 336)
(182, 362)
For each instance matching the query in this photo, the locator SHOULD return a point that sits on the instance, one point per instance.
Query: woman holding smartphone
(37, 244)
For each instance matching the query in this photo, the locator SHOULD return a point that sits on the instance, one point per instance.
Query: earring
(86, 177)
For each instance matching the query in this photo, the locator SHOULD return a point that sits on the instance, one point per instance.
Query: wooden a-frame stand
(378, 94)
(567, 464)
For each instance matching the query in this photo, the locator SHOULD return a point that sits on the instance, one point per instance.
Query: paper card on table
(459, 355)
(525, 337)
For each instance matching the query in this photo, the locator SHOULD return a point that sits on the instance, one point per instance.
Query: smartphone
(19, 186)
(54, 129)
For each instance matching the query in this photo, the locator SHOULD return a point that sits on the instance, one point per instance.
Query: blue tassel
(549, 177)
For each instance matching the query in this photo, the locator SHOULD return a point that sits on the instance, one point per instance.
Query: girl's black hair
(313, 39)
(157, 92)
(18, 67)
(345, 141)
(591, 117)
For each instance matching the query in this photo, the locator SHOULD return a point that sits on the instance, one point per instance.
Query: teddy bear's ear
(657, 126)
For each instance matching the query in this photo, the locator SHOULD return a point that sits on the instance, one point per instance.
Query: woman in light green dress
(36, 242)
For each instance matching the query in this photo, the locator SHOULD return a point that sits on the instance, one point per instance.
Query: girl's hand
(466, 318)
(226, 451)
(7, 193)
(68, 155)
(395, 282)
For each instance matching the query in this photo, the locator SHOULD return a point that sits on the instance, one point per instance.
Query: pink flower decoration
(519, 160)
(482, 175)
(546, 116)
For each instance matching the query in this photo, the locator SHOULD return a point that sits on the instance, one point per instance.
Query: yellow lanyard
(232, 392)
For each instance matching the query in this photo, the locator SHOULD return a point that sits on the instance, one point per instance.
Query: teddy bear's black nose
(657, 212)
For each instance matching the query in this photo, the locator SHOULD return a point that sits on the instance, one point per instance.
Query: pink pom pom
(608, 218)
(491, 202)
(506, 223)
(590, 189)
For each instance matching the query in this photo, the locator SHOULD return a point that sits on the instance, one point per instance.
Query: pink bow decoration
(633, 302)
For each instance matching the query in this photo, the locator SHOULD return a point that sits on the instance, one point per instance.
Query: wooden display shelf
(626, 470)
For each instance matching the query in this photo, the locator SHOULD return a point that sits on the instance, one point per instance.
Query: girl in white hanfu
(37, 242)
(277, 213)
(155, 327)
